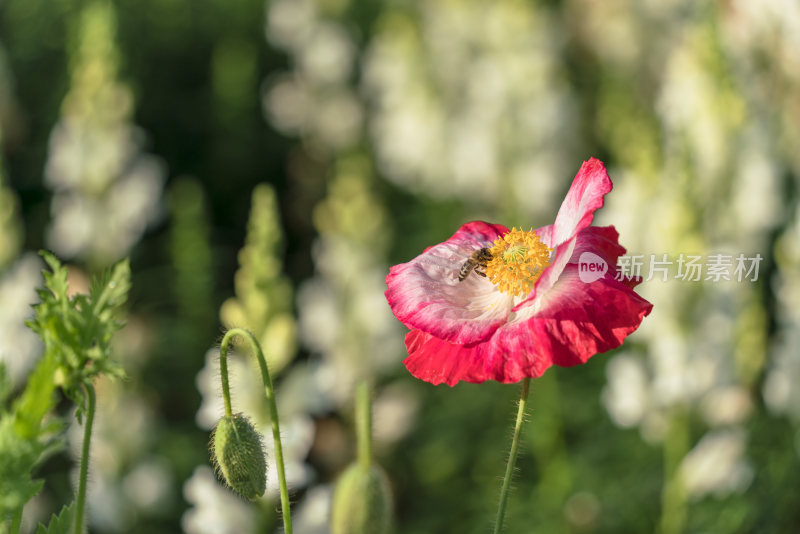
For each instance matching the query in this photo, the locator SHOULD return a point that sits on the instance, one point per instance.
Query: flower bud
(237, 452)
(362, 503)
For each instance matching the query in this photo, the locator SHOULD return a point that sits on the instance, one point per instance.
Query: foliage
(18, 457)
(26, 438)
(76, 331)
(60, 523)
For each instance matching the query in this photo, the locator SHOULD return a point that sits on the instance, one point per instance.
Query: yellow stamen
(518, 260)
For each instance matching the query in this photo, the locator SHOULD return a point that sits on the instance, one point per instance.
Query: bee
(477, 262)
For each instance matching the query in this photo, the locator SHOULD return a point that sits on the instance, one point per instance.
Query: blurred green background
(263, 163)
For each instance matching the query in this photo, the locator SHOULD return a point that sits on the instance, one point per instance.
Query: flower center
(518, 260)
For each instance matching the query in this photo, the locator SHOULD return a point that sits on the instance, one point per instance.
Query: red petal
(600, 240)
(437, 361)
(425, 293)
(574, 322)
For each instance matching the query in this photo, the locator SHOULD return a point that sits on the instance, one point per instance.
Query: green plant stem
(364, 424)
(673, 494)
(87, 437)
(273, 409)
(16, 522)
(512, 456)
(223, 373)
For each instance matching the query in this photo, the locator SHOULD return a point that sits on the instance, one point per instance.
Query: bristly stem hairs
(512, 456)
(84, 470)
(273, 409)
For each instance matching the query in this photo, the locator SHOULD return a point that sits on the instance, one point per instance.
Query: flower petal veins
(425, 293)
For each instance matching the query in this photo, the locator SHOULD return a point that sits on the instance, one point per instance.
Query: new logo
(591, 267)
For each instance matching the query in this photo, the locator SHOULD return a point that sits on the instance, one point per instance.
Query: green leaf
(37, 399)
(110, 290)
(77, 336)
(61, 523)
(18, 457)
(56, 281)
(77, 331)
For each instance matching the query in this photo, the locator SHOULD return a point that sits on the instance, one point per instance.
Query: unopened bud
(237, 451)
(362, 503)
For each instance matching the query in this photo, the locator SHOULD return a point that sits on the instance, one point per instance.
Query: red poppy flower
(523, 304)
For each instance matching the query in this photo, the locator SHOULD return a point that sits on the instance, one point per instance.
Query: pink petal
(584, 197)
(573, 322)
(425, 292)
(600, 240)
(545, 234)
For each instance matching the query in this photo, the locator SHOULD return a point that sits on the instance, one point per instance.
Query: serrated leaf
(50, 259)
(61, 523)
(77, 331)
(110, 290)
(55, 281)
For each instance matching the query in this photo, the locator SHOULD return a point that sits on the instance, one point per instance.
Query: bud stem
(223, 373)
(273, 410)
(84, 471)
(364, 424)
(512, 456)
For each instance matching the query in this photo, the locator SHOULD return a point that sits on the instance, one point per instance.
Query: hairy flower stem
(273, 410)
(87, 437)
(512, 456)
(364, 424)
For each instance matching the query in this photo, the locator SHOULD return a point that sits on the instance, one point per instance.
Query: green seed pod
(362, 503)
(237, 451)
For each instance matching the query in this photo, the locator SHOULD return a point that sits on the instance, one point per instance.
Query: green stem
(16, 521)
(512, 456)
(223, 372)
(673, 494)
(87, 437)
(273, 409)
(364, 424)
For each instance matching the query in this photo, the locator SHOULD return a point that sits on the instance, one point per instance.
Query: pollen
(518, 260)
